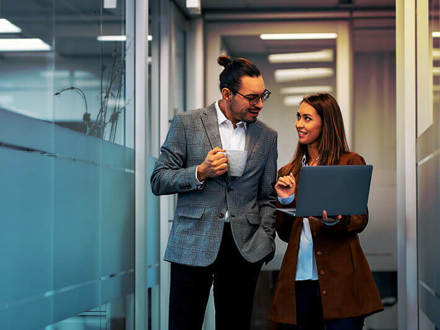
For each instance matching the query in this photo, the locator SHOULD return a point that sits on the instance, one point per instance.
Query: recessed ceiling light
(297, 36)
(290, 101)
(8, 27)
(23, 45)
(193, 6)
(306, 90)
(112, 38)
(110, 4)
(325, 55)
(284, 75)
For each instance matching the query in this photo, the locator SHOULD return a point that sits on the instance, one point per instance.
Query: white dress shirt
(232, 138)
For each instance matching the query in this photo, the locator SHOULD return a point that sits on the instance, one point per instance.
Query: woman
(325, 281)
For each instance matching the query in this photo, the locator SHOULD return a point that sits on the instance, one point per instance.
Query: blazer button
(221, 215)
(324, 292)
(319, 253)
(322, 272)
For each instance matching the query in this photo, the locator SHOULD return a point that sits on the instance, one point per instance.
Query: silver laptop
(340, 189)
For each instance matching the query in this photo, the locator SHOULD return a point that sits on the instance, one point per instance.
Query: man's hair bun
(224, 60)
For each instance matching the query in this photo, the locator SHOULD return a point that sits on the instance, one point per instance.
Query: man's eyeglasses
(255, 98)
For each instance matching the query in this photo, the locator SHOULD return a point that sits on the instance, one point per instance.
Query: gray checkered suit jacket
(197, 229)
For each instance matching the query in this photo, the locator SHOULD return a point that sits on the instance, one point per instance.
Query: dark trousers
(234, 281)
(309, 311)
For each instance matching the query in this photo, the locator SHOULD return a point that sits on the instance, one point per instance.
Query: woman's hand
(285, 186)
(326, 220)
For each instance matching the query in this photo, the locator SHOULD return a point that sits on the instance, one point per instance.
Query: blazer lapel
(210, 122)
(251, 137)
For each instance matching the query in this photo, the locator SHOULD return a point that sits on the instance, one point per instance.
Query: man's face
(240, 107)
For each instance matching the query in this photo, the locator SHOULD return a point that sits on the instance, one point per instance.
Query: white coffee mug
(236, 162)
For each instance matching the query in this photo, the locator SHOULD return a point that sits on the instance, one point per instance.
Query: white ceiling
(252, 44)
(289, 4)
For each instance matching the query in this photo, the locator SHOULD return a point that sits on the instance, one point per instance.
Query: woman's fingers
(291, 177)
(284, 182)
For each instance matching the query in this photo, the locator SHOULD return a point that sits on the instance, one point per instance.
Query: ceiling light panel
(325, 55)
(23, 45)
(7, 27)
(285, 75)
(303, 90)
(193, 6)
(112, 38)
(292, 101)
(297, 36)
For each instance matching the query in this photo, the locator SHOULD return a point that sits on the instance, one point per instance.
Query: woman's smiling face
(308, 124)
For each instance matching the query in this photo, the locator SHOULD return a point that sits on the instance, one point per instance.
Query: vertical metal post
(141, 151)
(406, 163)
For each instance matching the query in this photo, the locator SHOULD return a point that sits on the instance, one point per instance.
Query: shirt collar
(222, 118)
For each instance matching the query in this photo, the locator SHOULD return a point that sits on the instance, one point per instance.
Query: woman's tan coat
(347, 285)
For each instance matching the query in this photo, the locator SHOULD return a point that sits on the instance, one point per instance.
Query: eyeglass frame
(254, 100)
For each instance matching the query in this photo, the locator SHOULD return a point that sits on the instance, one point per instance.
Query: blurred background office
(87, 92)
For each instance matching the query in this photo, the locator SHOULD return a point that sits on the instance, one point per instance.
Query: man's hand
(285, 186)
(215, 164)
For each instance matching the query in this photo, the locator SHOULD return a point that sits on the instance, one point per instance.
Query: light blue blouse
(306, 266)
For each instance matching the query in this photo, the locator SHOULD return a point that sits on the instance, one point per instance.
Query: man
(223, 228)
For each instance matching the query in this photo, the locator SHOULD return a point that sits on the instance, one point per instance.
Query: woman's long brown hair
(332, 141)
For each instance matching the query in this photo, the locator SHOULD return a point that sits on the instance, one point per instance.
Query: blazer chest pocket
(190, 213)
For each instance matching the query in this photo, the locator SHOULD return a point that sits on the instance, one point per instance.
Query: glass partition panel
(66, 142)
(428, 162)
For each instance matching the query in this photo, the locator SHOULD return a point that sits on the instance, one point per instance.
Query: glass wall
(66, 144)
(428, 162)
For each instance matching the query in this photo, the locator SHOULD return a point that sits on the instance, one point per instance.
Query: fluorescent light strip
(290, 101)
(112, 38)
(436, 71)
(117, 38)
(23, 45)
(436, 34)
(306, 90)
(284, 75)
(297, 36)
(193, 4)
(325, 55)
(7, 27)
(110, 4)
(436, 53)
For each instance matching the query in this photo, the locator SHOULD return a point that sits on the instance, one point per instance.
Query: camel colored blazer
(346, 283)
